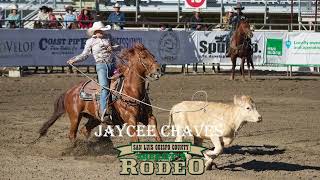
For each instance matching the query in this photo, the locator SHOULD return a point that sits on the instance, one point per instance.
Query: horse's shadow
(97, 146)
(254, 150)
(268, 166)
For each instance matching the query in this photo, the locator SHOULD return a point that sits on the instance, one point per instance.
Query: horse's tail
(59, 110)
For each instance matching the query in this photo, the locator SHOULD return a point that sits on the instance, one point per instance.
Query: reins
(162, 109)
(141, 101)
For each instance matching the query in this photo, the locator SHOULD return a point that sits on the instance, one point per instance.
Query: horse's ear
(126, 53)
(131, 51)
(139, 46)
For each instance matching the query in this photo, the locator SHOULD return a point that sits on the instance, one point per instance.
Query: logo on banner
(288, 44)
(195, 3)
(62, 46)
(274, 47)
(215, 46)
(161, 158)
(169, 46)
(127, 42)
(14, 48)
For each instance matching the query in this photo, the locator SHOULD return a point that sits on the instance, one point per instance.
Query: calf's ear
(237, 100)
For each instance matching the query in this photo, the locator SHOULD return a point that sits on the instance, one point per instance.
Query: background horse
(240, 47)
(139, 65)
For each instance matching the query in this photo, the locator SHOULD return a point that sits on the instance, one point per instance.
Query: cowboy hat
(44, 7)
(116, 5)
(230, 9)
(14, 7)
(69, 7)
(88, 8)
(96, 27)
(239, 6)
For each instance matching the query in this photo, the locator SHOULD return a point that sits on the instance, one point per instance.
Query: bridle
(247, 33)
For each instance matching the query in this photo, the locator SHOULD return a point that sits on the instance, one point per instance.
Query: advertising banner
(25, 47)
(303, 48)
(211, 46)
(275, 51)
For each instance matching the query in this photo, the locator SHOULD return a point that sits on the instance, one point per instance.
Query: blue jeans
(104, 72)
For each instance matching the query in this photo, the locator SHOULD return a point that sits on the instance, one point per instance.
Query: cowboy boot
(106, 115)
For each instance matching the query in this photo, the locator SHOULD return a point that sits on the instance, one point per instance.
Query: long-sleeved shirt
(53, 24)
(236, 19)
(85, 25)
(1, 18)
(194, 20)
(13, 21)
(69, 18)
(43, 17)
(98, 48)
(117, 19)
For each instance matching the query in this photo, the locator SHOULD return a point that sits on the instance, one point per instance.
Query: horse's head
(245, 28)
(143, 61)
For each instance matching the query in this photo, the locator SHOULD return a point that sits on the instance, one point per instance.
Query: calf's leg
(211, 155)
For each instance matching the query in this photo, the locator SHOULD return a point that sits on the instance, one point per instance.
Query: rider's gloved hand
(71, 61)
(109, 48)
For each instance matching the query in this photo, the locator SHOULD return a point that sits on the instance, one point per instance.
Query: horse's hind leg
(87, 128)
(249, 60)
(75, 119)
(153, 122)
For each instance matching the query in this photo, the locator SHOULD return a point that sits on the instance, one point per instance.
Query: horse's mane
(122, 62)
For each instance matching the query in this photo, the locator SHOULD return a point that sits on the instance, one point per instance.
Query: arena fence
(52, 47)
(181, 26)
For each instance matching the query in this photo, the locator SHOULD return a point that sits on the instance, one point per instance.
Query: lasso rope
(150, 105)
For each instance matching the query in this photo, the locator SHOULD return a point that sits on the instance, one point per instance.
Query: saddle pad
(90, 90)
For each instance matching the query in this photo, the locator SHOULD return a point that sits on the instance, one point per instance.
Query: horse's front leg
(242, 68)
(233, 60)
(132, 125)
(152, 121)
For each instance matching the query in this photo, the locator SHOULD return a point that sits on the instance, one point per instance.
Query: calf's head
(248, 111)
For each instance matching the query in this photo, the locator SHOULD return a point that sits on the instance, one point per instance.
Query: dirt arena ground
(286, 145)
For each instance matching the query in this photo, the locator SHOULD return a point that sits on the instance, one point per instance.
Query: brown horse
(139, 66)
(240, 47)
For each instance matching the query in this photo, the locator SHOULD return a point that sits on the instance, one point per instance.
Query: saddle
(90, 91)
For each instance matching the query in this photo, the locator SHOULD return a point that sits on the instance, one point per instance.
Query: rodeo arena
(159, 89)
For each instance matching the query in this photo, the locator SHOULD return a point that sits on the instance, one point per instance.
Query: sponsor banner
(302, 48)
(26, 47)
(195, 4)
(275, 48)
(211, 46)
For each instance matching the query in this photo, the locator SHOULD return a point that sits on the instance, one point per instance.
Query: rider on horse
(101, 47)
(234, 22)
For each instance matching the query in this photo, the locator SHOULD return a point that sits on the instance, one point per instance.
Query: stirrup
(106, 117)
